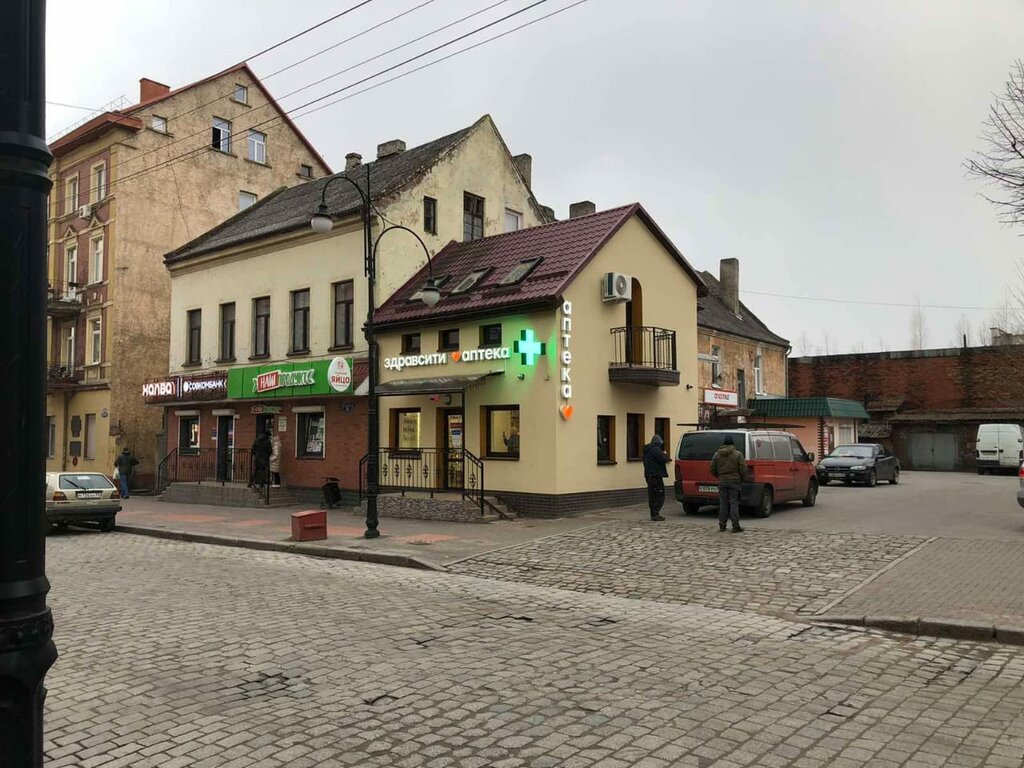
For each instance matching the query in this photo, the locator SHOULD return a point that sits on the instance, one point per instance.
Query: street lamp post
(322, 223)
(26, 626)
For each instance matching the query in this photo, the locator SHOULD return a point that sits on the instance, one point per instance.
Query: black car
(865, 463)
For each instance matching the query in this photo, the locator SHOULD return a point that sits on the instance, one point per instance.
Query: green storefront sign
(299, 379)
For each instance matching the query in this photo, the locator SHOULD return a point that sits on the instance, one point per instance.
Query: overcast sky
(821, 143)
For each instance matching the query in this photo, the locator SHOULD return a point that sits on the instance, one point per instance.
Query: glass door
(225, 448)
(454, 442)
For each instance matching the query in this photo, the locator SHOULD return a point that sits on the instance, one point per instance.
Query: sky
(820, 143)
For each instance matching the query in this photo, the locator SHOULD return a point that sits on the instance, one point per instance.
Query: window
(469, 281)
(662, 428)
(310, 435)
(241, 94)
(799, 454)
(68, 346)
(95, 340)
(520, 271)
(430, 215)
(716, 366)
(195, 336)
(781, 449)
(513, 220)
(246, 200)
(96, 260)
(71, 270)
(758, 375)
(501, 431)
(762, 448)
(221, 139)
(472, 217)
(741, 387)
(605, 439)
(261, 327)
(71, 194)
(90, 436)
(306, 171)
(490, 335)
(410, 344)
(448, 340)
(300, 320)
(188, 434)
(405, 428)
(99, 181)
(51, 437)
(634, 436)
(257, 147)
(343, 314)
(701, 446)
(227, 331)
(158, 123)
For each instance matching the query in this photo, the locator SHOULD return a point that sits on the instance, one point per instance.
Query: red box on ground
(310, 525)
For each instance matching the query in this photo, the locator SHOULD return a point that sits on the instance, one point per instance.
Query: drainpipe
(64, 437)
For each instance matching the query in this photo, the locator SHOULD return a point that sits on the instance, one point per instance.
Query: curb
(954, 629)
(292, 547)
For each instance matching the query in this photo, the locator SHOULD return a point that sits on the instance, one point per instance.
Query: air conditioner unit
(617, 287)
(85, 212)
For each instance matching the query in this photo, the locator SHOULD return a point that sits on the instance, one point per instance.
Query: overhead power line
(897, 304)
(72, 106)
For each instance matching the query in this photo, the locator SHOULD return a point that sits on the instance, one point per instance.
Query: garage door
(932, 451)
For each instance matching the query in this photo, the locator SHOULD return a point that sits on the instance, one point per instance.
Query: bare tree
(804, 342)
(1001, 163)
(829, 343)
(918, 329)
(857, 347)
(882, 346)
(964, 336)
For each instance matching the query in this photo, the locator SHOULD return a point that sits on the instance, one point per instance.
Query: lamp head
(321, 222)
(430, 294)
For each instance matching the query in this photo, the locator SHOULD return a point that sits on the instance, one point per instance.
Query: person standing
(729, 466)
(261, 450)
(655, 472)
(125, 464)
(275, 461)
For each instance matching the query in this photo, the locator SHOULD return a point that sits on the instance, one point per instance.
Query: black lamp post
(26, 626)
(322, 223)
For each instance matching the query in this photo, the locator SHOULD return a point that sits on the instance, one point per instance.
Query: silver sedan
(75, 497)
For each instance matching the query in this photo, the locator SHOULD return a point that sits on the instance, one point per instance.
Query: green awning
(793, 407)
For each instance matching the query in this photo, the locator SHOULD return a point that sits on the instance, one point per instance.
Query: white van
(1000, 446)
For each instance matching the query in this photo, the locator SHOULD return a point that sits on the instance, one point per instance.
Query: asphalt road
(943, 504)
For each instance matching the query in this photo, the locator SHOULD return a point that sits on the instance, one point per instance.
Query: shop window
(90, 436)
(405, 429)
(430, 215)
(343, 314)
(410, 344)
(188, 434)
(300, 321)
(311, 434)
(227, 331)
(195, 337)
(51, 437)
(605, 439)
(501, 432)
(448, 340)
(261, 327)
(662, 428)
(472, 217)
(634, 436)
(490, 335)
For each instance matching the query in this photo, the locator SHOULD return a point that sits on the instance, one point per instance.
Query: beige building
(552, 357)
(128, 186)
(265, 294)
(741, 358)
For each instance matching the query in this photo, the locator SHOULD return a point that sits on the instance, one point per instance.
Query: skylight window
(438, 282)
(520, 271)
(469, 281)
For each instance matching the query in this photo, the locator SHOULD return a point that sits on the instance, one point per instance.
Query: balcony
(644, 355)
(60, 375)
(63, 300)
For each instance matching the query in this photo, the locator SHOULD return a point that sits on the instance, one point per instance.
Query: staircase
(226, 495)
(496, 506)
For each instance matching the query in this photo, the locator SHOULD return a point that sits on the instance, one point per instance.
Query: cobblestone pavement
(177, 654)
(769, 571)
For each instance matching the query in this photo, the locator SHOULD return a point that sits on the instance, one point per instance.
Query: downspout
(64, 436)
(785, 380)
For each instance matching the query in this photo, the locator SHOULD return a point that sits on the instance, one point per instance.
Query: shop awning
(440, 385)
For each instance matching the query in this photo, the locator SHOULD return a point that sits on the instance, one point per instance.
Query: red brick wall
(932, 380)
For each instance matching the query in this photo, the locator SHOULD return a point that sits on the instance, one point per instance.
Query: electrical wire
(900, 305)
(72, 106)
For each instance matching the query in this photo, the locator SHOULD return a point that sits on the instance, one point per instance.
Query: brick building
(925, 405)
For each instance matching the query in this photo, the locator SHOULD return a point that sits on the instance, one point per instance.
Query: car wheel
(812, 495)
(895, 479)
(981, 470)
(764, 504)
(63, 524)
(691, 507)
(107, 525)
(872, 480)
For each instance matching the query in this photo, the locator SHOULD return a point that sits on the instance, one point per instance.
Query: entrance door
(225, 448)
(264, 423)
(453, 433)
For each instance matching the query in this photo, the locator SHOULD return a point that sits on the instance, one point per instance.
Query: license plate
(89, 494)
(707, 488)
(837, 474)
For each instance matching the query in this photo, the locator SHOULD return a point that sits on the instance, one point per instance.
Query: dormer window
(469, 281)
(520, 271)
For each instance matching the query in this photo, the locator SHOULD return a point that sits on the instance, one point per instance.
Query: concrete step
(226, 495)
(499, 508)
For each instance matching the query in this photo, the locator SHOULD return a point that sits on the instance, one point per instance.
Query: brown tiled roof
(565, 248)
(715, 315)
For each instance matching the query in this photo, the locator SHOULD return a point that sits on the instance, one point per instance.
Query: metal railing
(212, 465)
(644, 346)
(427, 470)
(64, 374)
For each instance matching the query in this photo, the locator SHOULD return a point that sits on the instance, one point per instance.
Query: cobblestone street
(176, 654)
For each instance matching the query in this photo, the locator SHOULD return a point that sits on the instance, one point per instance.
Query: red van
(781, 470)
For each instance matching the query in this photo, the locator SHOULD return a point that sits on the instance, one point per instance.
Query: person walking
(655, 472)
(125, 465)
(729, 466)
(275, 461)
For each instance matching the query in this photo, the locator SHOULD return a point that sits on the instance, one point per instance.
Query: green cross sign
(528, 348)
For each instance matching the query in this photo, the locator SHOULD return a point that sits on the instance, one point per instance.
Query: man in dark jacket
(262, 449)
(125, 464)
(655, 472)
(730, 468)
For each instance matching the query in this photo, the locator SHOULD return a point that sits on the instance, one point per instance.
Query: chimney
(151, 89)
(582, 208)
(729, 277)
(549, 213)
(389, 148)
(353, 160)
(525, 165)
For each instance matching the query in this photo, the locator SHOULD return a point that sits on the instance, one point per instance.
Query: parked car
(76, 497)
(1000, 447)
(865, 463)
(781, 470)
(1020, 488)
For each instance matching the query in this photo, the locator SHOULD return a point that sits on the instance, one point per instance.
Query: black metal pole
(373, 424)
(26, 626)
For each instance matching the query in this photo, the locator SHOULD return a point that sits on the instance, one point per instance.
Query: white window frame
(758, 374)
(245, 94)
(71, 194)
(158, 124)
(96, 247)
(95, 340)
(511, 213)
(68, 344)
(716, 366)
(70, 270)
(224, 143)
(243, 195)
(99, 186)
(257, 147)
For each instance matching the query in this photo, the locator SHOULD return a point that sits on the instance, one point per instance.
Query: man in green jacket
(730, 468)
